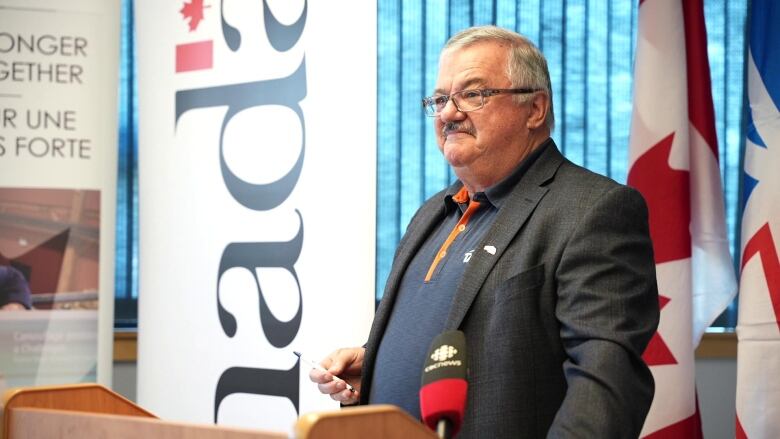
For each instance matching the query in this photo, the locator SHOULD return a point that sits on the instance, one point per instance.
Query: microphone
(444, 385)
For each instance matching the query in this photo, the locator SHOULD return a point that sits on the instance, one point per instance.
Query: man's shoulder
(577, 190)
(582, 182)
(584, 176)
(6, 272)
(552, 168)
(11, 278)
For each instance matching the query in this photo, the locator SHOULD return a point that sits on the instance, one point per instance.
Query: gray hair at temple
(526, 66)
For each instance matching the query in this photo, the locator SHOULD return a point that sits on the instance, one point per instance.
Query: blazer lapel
(513, 214)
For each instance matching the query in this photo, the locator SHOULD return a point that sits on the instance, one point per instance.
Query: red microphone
(444, 385)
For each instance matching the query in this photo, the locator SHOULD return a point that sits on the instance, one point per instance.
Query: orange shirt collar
(462, 196)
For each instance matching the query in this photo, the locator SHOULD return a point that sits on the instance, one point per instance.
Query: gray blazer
(557, 319)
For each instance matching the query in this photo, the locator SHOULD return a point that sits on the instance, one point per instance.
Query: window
(126, 269)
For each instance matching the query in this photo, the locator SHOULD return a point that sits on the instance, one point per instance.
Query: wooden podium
(91, 410)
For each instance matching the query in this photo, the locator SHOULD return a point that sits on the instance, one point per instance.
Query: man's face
(497, 132)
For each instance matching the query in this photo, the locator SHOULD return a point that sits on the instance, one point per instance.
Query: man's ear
(539, 106)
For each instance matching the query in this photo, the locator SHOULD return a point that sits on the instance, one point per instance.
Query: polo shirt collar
(496, 194)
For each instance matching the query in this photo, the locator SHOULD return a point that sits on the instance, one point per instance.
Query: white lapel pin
(490, 249)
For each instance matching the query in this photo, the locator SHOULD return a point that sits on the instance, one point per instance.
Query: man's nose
(450, 112)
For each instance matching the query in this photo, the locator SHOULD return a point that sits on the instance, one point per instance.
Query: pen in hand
(322, 369)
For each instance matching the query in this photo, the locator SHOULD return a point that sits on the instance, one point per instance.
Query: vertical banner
(58, 162)
(673, 162)
(758, 328)
(257, 132)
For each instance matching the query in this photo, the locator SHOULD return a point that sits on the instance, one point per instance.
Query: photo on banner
(49, 242)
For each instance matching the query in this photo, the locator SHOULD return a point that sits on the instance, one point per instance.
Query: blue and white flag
(758, 330)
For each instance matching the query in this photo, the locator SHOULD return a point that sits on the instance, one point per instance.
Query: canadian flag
(673, 162)
(758, 330)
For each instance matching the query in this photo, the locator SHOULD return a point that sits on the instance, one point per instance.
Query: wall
(716, 380)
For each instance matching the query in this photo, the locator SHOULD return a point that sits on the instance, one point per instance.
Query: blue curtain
(126, 271)
(589, 45)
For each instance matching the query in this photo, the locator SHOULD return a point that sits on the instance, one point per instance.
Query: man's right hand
(345, 363)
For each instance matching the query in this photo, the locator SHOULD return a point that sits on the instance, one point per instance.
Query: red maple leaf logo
(194, 12)
(668, 196)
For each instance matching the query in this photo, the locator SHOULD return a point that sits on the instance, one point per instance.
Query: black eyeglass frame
(431, 102)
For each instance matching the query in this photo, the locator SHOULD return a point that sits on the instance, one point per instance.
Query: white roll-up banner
(58, 161)
(257, 134)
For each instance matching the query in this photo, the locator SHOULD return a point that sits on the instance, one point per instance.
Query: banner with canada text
(257, 163)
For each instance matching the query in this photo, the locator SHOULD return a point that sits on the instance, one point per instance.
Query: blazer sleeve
(608, 311)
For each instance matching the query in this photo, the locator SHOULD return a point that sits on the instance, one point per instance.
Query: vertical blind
(126, 268)
(589, 45)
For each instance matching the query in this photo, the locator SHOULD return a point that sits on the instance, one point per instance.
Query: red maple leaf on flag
(194, 12)
(657, 352)
(667, 192)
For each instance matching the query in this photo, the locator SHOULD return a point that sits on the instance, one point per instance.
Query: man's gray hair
(526, 67)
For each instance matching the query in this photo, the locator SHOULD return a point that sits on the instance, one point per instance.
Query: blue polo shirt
(422, 306)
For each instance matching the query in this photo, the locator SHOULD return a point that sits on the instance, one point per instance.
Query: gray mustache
(450, 127)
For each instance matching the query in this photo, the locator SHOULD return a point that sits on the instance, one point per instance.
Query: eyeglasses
(467, 100)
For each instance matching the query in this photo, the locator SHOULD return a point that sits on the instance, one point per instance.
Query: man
(545, 266)
(14, 290)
